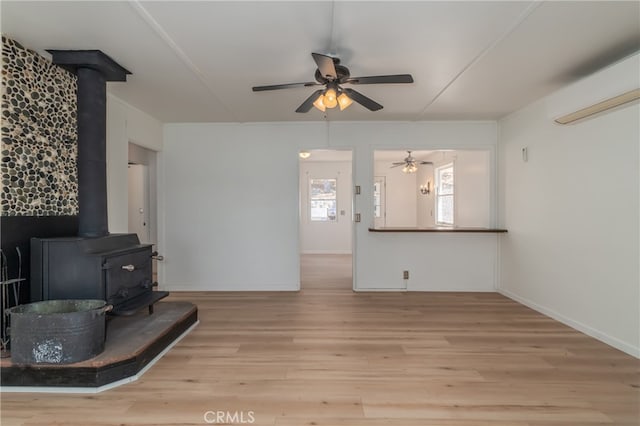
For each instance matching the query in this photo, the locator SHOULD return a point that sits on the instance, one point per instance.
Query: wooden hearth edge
(98, 389)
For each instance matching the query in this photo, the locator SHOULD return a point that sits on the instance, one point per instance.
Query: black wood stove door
(128, 275)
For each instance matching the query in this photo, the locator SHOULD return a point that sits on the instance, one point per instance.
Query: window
(444, 195)
(322, 200)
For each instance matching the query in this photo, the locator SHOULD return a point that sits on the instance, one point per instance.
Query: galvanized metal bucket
(57, 331)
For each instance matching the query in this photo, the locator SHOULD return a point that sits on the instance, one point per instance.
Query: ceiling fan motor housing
(342, 73)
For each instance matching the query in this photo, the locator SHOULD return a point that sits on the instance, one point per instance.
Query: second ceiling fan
(332, 75)
(410, 163)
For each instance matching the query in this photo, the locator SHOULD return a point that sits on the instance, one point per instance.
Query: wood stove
(115, 268)
(93, 265)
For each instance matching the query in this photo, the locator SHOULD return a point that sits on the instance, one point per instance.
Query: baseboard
(380, 290)
(589, 331)
(326, 252)
(226, 287)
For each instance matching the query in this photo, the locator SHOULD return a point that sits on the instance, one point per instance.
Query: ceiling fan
(410, 163)
(332, 75)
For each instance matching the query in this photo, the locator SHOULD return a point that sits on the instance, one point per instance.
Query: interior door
(139, 201)
(379, 207)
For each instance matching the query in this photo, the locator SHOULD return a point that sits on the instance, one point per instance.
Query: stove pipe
(93, 69)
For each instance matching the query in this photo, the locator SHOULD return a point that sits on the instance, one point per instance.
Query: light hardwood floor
(328, 356)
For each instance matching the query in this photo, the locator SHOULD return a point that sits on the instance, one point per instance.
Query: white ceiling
(197, 61)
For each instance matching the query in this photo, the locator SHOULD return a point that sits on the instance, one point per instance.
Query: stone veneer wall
(39, 135)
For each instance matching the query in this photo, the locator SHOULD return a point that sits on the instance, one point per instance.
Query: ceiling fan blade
(306, 105)
(426, 162)
(368, 103)
(325, 65)
(381, 79)
(396, 165)
(283, 86)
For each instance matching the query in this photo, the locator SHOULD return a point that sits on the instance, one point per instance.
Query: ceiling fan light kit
(344, 101)
(409, 164)
(319, 103)
(332, 75)
(330, 99)
(410, 168)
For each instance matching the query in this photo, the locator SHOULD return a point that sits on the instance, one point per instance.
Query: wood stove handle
(147, 284)
(129, 268)
(157, 256)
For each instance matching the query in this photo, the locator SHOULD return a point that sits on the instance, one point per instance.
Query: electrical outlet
(405, 275)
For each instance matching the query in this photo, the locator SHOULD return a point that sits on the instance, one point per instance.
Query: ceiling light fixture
(331, 74)
(410, 164)
(331, 98)
(410, 168)
(319, 103)
(344, 101)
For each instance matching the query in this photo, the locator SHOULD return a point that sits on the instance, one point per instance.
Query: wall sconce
(425, 189)
(304, 154)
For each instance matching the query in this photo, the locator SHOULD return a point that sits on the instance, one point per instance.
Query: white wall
(117, 158)
(573, 219)
(472, 182)
(125, 124)
(326, 237)
(435, 261)
(231, 207)
(425, 203)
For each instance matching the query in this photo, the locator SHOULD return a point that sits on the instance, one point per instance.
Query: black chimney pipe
(92, 154)
(93, 69)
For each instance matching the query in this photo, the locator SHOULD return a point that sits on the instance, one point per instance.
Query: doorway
(142, 183)
(139, 204)
(326, 220)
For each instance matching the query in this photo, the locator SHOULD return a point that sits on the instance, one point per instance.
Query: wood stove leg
(150, 309)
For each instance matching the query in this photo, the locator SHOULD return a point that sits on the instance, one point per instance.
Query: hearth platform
(132, 343)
